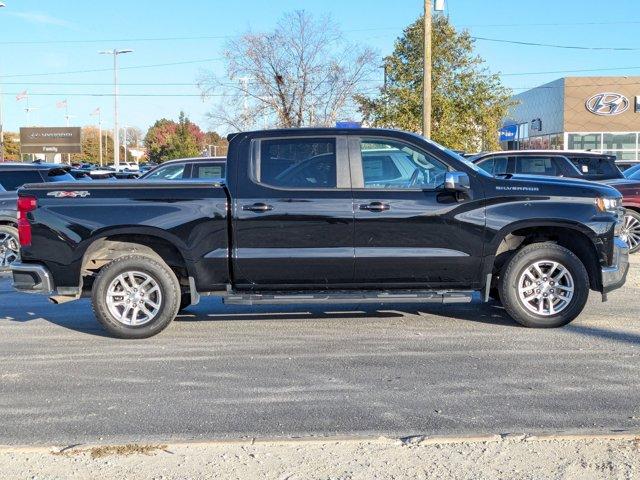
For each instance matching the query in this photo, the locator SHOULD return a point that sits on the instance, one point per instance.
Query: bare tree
(301, 74)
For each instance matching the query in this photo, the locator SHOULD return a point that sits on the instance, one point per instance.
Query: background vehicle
(9, 244)
(321, 215)
(198, 168)
(632, 173)
(587, 165)
(14, 175)
(126, 167)
(80, 174)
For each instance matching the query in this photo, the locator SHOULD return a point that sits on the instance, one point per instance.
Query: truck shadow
(490, 313)
(603, 333)
(77, 316)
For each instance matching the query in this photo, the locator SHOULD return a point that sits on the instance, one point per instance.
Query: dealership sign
(508, 133)
(607, 103)
(50, 140)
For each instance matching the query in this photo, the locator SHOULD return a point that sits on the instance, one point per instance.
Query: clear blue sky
(121, 24)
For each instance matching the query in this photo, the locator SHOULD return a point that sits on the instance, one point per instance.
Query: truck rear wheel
(544, 285)
(9, 246)
(136, 296)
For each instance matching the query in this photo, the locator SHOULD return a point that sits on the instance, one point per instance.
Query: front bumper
(613, 277)
(32, 278)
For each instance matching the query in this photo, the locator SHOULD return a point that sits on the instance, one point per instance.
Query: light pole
(426, 69)
(1, 116)
(116, 138)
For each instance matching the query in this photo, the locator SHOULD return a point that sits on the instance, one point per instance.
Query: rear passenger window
(297, 163)
(536, 166)
(207, 170)
(12, 180)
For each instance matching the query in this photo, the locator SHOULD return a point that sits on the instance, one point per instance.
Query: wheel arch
(574, 237)
(7, 220)
(113, 244)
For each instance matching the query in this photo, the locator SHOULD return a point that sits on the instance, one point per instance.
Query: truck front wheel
(544, 285)
(136, 296)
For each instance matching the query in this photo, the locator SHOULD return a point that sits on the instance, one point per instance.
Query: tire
(631, 230)
(185, 301)
(159, 296)
(555, 290)
(9, 247)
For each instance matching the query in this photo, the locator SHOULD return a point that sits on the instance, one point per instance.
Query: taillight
(25, 205)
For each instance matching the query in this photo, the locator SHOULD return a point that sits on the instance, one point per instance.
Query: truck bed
(190, 216)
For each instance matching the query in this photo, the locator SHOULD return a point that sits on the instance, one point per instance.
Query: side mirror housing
(457, 182)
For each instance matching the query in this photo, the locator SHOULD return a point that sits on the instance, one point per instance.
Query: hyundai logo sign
(607, 103)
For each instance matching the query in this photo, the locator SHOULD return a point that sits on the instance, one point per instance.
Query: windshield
(460, 158)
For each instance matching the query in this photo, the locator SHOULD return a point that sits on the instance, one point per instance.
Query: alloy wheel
(545, 288)
(9, 250)
(134, 298)
(631, 232)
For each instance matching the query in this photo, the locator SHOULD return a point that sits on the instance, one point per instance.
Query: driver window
(393, 165)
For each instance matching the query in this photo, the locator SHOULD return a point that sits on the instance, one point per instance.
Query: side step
(347, 296)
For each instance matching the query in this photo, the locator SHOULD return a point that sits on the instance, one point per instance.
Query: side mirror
(457, 182)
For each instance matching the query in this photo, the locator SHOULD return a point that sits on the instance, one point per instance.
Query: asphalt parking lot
(235, 372)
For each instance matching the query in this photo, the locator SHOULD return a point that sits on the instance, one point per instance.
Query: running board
(347, 296)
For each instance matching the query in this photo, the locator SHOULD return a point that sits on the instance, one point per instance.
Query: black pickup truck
(323, 215)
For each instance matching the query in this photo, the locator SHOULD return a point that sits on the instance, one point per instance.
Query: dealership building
(601, 114)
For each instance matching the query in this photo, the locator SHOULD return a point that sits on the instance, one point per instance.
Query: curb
(416, 440)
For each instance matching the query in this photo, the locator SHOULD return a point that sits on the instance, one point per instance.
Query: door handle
(375, 206)
(257, 207)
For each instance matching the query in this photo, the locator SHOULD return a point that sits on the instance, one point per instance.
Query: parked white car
(126, 167)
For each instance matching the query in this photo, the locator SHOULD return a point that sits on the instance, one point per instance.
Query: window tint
(14, 179)
(298, 163)
(389, 164)
(535, 166)
(207, 170)
(59, 175)
(170, 172)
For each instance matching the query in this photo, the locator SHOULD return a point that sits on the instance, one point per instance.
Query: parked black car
(587, 165)
(197, 168)
(573, 164)
(14, 175)
(324, 215)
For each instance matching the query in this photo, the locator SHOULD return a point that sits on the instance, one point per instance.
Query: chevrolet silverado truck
(323, 215)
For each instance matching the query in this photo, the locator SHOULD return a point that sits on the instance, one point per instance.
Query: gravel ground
(510, 458)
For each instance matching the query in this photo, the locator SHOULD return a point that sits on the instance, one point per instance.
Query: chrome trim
(44, 285)
(408, 252)
(614, 276)
(342, 252)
